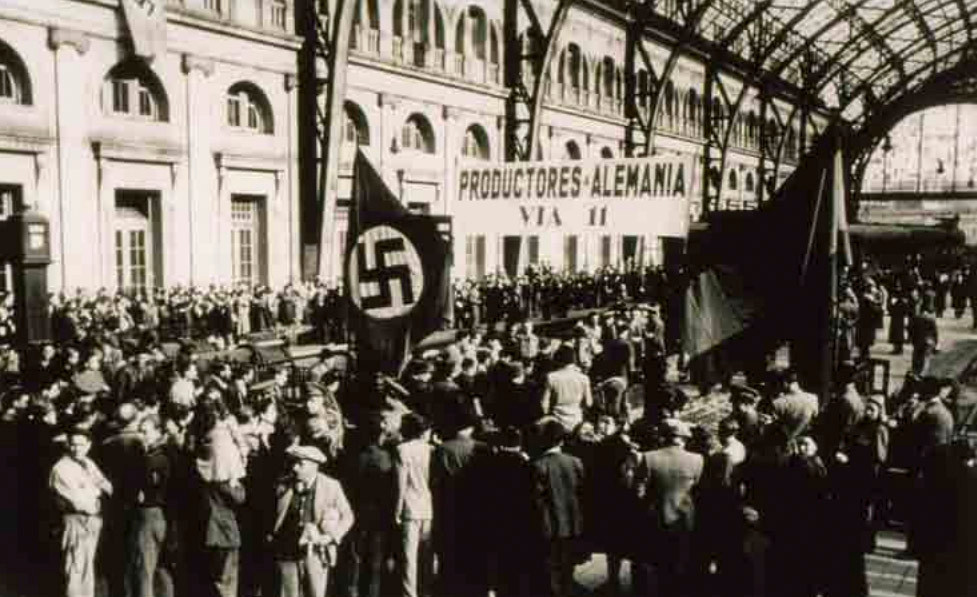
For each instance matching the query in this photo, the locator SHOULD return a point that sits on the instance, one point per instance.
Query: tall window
(533, 250)
(475, 255)
(247, 109)
(214, 5)
(356, 131)
(245, 239)
(278, 14)
(10, 203)
(132, 90)
(134, 241)
(570, 253)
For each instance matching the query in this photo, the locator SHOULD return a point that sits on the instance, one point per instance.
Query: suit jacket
(567, 393)
(558, 485)
(668, 476)
(219, 521)
(331, 511)
(413, 465)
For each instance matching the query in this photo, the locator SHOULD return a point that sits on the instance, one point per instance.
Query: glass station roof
(849, 53)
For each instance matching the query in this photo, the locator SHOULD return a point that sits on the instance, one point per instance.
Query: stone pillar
(389, 129)
(207, 216)
(73, 164)
(452, 136)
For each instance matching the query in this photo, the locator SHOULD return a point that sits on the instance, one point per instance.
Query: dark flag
(396, 274)
(768, 276)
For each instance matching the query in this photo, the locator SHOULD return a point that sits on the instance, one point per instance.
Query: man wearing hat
(312, 516)
(665, 479)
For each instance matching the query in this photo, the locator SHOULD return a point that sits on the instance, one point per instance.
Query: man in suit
(311, 517)
(414, 509)
(924, 337)
(567, 391)
(665, 479)
(557, 495)
(795, 409)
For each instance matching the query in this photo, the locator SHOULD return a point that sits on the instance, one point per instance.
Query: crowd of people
(224, 315)
(914, 295)
(499, 462)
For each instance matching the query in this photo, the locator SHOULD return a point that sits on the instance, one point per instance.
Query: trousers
(302, 578)
(146, 536)
(79, 541)
(417, 558)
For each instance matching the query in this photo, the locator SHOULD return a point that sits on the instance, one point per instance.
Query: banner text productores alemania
(640, 196)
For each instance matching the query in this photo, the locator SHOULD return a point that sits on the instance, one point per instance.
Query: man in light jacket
(312, 516)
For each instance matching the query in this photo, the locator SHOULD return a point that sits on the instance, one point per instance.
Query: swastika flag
(395, 273)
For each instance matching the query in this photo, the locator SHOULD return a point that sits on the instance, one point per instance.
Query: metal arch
(923, 26)
(659, 93)
(968, 23)
(552, 41)
(759, 10)
(821, 77)
(934, 91)
(866, 84)
(692, 22)
(783, 64)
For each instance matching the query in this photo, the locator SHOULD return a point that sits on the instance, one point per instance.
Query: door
(247, 263)
(134, 241)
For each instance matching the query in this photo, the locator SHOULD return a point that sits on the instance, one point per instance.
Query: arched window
(356, 129)
(575, 66)
(751, 132)
(494, 47)
(15, 85)
(475, 144)
(571, 151)
(732, 180)
(132, 90)
(749, 182)
(608, 74)
(692, 109)
(606, 153)
(417, 135)
(248, 109)
(472, 23)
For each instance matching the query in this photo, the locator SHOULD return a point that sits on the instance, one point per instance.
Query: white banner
(146, 20)
(620, 196)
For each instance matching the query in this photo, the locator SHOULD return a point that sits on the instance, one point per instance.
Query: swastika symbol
(386, 276)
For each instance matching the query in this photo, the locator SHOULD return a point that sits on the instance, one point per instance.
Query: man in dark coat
(665, 479)
(457, 539)
(505, 480)
(121, 455)
(924, 337)
(557, 498)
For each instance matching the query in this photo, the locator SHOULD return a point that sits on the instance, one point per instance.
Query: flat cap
(307, 453)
